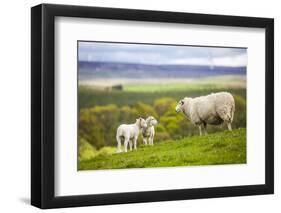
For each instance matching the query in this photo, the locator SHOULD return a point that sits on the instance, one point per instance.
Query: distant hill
(91, 70)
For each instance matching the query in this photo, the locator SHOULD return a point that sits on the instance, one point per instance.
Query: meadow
(214, 149)
(103, 108)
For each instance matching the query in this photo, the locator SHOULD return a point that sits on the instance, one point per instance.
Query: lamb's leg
(126, 144)
(118, 144)
(131, 145)
(145, 141)
(135, 143)
(151, 141)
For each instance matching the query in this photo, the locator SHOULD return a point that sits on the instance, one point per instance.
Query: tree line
(98, 124)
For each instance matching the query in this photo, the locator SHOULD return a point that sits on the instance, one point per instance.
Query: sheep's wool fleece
(211, 109)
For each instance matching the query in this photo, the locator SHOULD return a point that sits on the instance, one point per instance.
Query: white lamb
(215, 109)
(130, 133)
(149, 132)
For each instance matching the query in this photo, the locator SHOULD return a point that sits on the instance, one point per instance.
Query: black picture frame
(43, 105)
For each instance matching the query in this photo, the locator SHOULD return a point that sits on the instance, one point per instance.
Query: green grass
(219, 148)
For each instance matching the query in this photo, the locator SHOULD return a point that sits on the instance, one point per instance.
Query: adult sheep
(130, 133)
(214, 109)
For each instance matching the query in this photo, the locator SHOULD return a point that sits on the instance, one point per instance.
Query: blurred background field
(129, 91)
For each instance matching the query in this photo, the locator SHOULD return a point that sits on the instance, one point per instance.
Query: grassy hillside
(218, 148)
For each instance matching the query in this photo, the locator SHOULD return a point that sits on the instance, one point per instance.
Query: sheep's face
(151, 121)
(179, 107)
(142, 122)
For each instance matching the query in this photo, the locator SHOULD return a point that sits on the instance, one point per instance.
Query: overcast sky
(161, 54)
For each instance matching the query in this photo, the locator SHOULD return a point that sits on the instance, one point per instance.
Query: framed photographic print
(139, 106)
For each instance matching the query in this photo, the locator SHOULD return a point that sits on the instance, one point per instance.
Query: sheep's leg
(126, 144)
(119, 145)
(205, 129)
(227, 117)
(229, 126)
(131, 145)
(200, 130)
